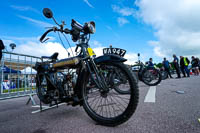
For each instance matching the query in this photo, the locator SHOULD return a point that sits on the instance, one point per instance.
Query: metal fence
(17, 76)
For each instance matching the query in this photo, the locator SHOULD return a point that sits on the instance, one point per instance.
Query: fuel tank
(68, 62)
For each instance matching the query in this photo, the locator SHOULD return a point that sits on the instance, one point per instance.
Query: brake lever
(62, 25)
(45, 40)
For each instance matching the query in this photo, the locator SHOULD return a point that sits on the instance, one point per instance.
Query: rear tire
(110, 104)
(164, 75)
(151, 77)
(41, 89)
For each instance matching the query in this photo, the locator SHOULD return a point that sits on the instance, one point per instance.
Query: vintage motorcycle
(87, 80)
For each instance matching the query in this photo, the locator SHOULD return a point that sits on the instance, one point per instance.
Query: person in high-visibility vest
(184, 62)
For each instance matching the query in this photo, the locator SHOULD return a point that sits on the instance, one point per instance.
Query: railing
(17, 76)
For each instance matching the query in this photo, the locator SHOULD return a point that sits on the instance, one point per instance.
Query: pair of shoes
(178, 77)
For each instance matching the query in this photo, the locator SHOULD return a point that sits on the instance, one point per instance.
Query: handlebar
(44, 35)
(67, 31)
(75, 31)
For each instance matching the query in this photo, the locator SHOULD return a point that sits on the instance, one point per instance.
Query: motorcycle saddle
(53, 57)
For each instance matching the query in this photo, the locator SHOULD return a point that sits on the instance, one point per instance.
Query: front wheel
(111, 108)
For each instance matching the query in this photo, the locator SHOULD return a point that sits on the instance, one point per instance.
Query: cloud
(96, 43)
(22, 39)
(131, 58)
(87, 2)
(38, 49)
(122, 21)
(37, 22)
(125, 11)
(25, 8)
(31, 46)
(176, 24)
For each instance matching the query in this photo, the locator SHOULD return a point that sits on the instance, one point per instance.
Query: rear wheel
(114, 107)
(41, 90)
(164, 75)
(151, 77)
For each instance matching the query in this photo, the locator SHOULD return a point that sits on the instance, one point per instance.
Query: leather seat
(52, 57)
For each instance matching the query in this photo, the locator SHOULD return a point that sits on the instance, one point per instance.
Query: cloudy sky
(153, 28)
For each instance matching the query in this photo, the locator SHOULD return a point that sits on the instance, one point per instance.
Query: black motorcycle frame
(87, 65)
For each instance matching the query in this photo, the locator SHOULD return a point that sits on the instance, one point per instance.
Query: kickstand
(31, 99)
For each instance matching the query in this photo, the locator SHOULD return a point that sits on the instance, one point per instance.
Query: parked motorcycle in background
(149, 75)
(87, 80)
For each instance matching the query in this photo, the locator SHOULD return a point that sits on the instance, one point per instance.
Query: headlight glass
(91, 28)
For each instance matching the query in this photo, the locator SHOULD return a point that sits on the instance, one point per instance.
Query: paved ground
(168, 112)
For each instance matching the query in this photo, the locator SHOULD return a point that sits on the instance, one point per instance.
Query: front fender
(109, 58)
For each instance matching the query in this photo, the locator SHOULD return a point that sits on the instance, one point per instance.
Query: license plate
(116, 51)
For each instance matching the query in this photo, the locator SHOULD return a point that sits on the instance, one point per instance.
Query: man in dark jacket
(184, 62)
(1, 48)
(150, 63)
(167, 67)
(176, 66)
(195, 65)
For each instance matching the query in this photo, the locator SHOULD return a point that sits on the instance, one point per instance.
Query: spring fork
(100, 79)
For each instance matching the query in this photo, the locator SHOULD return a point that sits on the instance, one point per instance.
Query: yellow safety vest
(185, 61)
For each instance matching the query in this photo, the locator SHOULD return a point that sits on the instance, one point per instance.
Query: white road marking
(151, 95)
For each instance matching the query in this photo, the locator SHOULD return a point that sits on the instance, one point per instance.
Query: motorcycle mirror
(47, 13)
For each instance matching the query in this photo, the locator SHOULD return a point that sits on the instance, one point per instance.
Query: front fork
(100, 80)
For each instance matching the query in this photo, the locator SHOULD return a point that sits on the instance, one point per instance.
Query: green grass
(16, 90)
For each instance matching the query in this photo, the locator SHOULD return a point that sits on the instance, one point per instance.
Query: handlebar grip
(44, 35)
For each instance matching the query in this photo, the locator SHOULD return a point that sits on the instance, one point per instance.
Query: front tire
(112, 108)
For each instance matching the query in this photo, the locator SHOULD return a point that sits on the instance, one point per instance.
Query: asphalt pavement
(171, 107)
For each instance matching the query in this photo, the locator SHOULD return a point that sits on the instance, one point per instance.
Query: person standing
(150, 63)
(195, 65)
(1, 48)
(167, 67)
(198, 63)
(184, 62)
(176, 66)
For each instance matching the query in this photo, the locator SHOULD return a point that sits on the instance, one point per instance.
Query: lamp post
(138, 57)
(12, 46)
